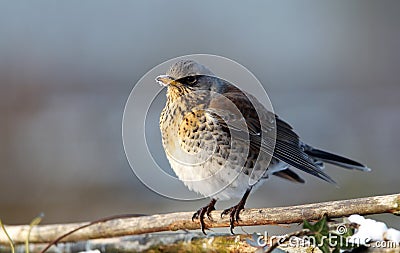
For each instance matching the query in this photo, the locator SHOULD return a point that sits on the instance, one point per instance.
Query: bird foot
(234, 212)
(202, 212)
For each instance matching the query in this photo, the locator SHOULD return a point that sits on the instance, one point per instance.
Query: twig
(182, 220)
(158, 242)
(10, 241)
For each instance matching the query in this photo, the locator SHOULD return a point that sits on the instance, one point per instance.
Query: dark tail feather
(289, 175)
(335, 159)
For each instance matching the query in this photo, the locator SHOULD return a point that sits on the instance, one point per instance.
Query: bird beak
(165, 80)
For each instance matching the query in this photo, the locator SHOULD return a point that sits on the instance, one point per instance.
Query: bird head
(186, 76)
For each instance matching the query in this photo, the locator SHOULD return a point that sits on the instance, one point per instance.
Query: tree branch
(182, 220)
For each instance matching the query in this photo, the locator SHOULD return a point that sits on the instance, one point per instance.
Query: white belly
(210, 179)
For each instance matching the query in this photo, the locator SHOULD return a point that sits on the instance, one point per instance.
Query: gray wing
(287, 146)
(290, 149)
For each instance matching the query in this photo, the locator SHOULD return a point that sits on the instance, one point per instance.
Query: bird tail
(335, 159)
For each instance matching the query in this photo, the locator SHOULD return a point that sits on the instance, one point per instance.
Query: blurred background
(331, 69)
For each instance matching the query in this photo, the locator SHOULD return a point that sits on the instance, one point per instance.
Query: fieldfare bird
(223, 143)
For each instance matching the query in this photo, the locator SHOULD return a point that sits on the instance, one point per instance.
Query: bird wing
(245, 120)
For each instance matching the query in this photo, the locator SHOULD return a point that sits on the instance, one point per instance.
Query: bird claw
(234, 216)
(202, 212)
(196, 215)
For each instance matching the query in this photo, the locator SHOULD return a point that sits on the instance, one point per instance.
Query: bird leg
(206, 210)
(234, 211)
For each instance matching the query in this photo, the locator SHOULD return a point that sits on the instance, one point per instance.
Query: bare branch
(182, 220)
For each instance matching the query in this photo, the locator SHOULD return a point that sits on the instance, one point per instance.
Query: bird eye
(191, 80)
